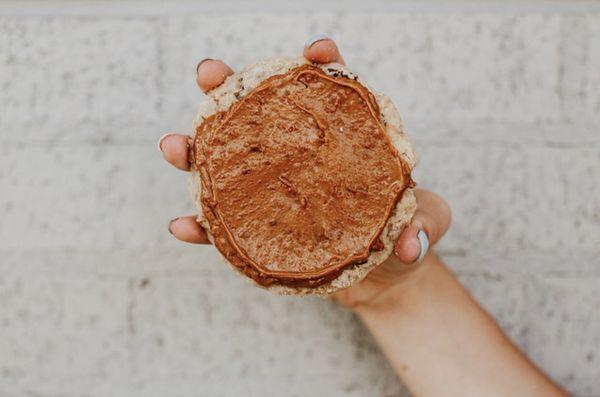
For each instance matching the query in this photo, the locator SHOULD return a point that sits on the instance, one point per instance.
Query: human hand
(432, 216)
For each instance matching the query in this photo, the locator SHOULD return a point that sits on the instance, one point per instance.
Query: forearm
(442, 343)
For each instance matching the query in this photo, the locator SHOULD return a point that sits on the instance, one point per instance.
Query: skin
(437, 338)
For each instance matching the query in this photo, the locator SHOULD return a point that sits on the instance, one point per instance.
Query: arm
(437, 338)
(441, 342)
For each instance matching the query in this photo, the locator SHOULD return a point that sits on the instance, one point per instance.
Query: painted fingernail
(170, 223)
(315, 38)
(162, 138)
(424, 240)
(201, 62)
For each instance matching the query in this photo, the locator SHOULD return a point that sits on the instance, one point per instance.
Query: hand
(432, 216)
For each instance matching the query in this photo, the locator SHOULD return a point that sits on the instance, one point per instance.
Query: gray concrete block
(165, 321)
(119, 79)
(468, 67)
(78, 79)
(174, 329)
(564, 330)
(516, 198)
(444, 133)
(62, 334)
(221, 332)
(92, 196)
(591, 81)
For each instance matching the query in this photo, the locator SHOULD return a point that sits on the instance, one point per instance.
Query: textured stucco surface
(97, 299)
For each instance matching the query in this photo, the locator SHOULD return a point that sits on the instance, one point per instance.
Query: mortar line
(158, 8)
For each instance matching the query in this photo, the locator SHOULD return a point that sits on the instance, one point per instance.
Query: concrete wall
(97, 299)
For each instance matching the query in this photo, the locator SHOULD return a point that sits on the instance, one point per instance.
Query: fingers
(175, 149)
(322, 49)
(408, 246)
(187, 229)
(211, 73)
(431, 220)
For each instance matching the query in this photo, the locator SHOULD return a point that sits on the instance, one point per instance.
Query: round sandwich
(302, 175)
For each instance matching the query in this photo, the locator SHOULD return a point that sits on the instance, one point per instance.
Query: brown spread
(298, 178)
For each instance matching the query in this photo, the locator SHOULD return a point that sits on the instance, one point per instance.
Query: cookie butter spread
(299, 178)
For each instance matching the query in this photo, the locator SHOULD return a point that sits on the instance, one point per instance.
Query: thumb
(432, 217)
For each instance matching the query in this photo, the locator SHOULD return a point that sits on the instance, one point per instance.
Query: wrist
(402, 293)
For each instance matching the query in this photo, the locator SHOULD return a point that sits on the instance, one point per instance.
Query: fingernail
(170, 223)
(314, 39)
(160, 141)
(424, 240)
(201, 62)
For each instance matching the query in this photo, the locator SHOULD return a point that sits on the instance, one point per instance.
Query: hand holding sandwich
(437, 338)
